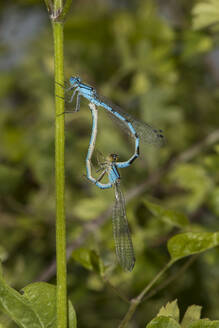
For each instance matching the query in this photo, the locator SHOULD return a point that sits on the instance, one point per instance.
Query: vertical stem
(60, 177)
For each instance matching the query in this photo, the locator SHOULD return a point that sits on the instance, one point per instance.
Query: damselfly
(136, 128)
(122, 237)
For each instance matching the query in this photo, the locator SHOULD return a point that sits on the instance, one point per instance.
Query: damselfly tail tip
(160, 136)
(128, 266)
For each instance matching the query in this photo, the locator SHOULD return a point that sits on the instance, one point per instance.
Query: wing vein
(122, 236)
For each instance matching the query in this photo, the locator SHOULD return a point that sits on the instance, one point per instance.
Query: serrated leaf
(171, 216)
(163, 322)
(189, 243)
(193, 313)
(205, 323)
(170, 310)
(89, 259)
(205, 13)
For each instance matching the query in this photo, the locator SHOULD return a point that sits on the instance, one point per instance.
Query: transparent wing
(122, 237)
(98, 161)
(146, 132)
(99, 156)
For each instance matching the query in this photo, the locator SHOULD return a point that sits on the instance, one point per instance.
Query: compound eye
(72, 80)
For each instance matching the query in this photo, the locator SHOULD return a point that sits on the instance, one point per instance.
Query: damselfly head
(113, 157)
(74, 80)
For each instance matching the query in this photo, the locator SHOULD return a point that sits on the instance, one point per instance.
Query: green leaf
(42, 296)
(163, 322)
(193, 313)
(170, 310)
(205, 323)
(205, 13)
(36, 308)
(18, 307)
(72, 318)
(89, 259)
(171, 216)
(189, 243)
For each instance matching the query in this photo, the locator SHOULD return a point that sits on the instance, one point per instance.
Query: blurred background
(146, 57)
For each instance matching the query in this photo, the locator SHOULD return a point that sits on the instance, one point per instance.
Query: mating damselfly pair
(140, 131)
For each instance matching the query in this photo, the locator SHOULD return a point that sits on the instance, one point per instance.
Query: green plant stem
(66, 8)
(58, 5)
(60, 176)
(137, 300)
(171, 278)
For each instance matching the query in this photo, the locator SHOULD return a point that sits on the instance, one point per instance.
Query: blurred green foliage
(147, 57)
(168, 317)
